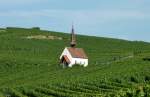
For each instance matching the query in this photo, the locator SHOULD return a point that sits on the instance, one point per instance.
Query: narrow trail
(108, 63)
(116, 60)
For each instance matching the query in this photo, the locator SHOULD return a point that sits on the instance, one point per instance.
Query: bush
(147, 78)
(36, 28)
(118, 80)
(134, 79)
(147, 91)
(146, 59)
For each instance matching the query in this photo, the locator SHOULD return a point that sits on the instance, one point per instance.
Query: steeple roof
(73, 38)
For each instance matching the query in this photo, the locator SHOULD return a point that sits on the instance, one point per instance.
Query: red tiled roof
(66, 59)
(77, 52)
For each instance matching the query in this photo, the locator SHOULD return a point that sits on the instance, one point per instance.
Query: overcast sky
(125, 19)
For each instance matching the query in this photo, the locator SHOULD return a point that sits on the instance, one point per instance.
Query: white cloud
(17, 1)
(83, 18)
(12, 3)
(81, 15)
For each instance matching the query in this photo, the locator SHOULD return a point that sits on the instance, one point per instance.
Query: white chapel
(72, 55)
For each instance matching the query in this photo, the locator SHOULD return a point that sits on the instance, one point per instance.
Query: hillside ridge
(30, 67)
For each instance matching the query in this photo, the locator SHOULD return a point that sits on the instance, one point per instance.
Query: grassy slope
(29, 63)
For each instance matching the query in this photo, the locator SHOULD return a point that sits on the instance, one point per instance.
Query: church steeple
(73, 38)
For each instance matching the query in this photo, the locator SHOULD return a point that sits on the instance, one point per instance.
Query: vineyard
(30, 67)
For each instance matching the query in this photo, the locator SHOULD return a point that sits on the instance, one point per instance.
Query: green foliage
(36, 28)
(147, 78)
(30, 67)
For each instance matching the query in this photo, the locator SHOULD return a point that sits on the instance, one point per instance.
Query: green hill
(29, 66)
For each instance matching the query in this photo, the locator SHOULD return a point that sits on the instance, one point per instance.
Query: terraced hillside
(29, 66)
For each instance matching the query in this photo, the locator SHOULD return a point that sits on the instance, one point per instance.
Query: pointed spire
(73, 39)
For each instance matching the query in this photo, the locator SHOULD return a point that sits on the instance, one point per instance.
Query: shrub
(146, 59)
(147, 78)
(146, 90)
(134, 79)
(36, 28)
(118, 80)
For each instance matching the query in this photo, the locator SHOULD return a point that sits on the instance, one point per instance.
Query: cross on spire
(73, 38)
